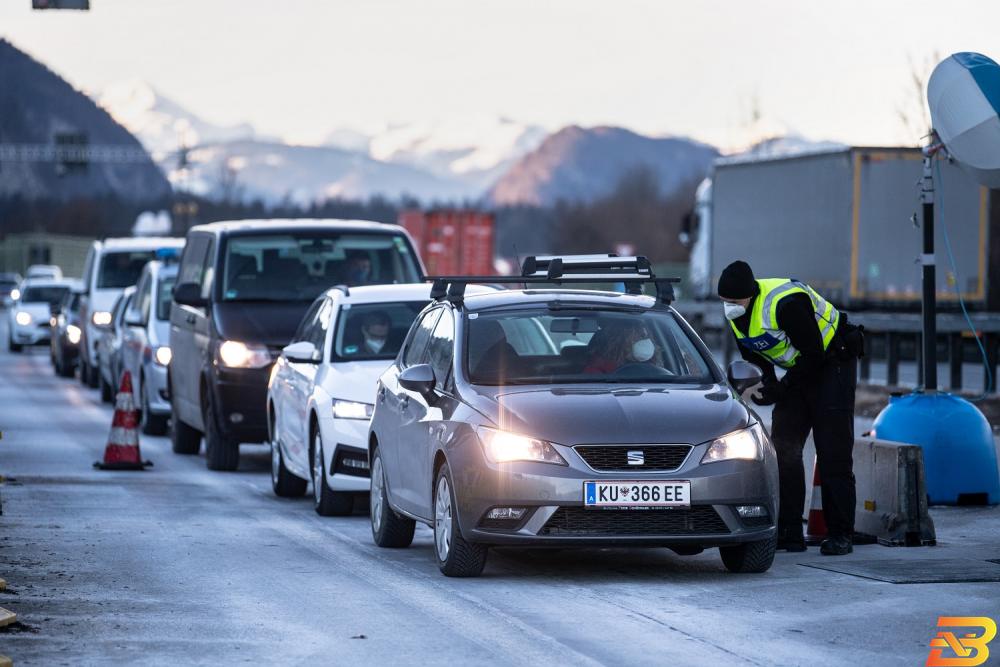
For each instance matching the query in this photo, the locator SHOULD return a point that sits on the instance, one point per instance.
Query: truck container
(847, 221)
(452, 241)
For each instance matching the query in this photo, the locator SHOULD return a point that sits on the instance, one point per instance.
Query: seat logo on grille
(636, 457)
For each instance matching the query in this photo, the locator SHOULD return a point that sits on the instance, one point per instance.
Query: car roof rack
(634, 272)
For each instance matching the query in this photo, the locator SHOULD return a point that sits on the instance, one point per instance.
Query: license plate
(632, 493)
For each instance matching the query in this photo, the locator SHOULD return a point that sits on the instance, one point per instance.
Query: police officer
(785, 323)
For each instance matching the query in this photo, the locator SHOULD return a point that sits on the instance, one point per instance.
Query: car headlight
(747, 445)
(162, 355)
(15, 294)
(235, 354)
(23, 318)
(73, 333)
(352, 409)
(101, 318)
(502, 447)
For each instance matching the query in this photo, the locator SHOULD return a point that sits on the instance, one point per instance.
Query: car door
(299, 378)
(186, 364)
(411, 431)
(424, 428)
(133, 332)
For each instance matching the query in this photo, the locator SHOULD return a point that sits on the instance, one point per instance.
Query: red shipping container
(452, 242)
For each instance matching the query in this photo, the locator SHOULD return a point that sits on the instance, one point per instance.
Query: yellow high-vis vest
(763, 335)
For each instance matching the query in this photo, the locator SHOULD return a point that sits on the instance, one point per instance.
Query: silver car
(560, 417)
(109, 347)
(146, 344)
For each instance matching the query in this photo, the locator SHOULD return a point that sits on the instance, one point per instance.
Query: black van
(242, 288)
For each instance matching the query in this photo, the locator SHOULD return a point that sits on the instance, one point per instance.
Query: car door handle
(190, 319)
(404, 401)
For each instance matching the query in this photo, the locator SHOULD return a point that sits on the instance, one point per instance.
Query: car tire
(64, 369)
(326, 501)
(456, 557)
(184, 439)
(221, 453)
(150, 424)
(750, 557)
(284, 483)
(12, 346)
(107, 391)
(93, 375)
(389, 530)
(83, 371)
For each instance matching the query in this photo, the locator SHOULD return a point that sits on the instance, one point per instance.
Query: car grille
(615, 458)
(580, 522)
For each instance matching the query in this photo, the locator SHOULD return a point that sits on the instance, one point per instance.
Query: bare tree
(228, 189)
(912, 111)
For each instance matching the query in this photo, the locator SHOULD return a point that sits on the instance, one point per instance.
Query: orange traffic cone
(816, 528)
(122, 451)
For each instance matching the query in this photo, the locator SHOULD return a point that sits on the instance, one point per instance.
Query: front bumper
(240, 396)
(345, 442)
(553, 496)
(32, 334)
(155, 377)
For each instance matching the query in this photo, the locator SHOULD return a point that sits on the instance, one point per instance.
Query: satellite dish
(963, 94)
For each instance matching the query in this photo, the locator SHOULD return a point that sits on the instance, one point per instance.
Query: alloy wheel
(442, 519)
(376, 494)
(317, 469)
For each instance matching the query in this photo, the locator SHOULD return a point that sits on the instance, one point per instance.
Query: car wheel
(284, 483)
(184, 439)
(455, 556)
(751, 557)
(389, 530)
(326, 501)
(65, 369)
(151, 424)
(83, 372)
(107, 391)
(220, 452)
(93, 374)
(12, 346)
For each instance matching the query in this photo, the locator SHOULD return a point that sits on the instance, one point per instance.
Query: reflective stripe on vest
(763, 335)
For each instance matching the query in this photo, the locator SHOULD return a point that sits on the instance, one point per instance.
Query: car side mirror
(189, 294)
(132, 320)
(419, 379)
(742, 375)
(303, 351)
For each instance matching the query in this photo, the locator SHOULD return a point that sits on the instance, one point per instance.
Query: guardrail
(887, 336)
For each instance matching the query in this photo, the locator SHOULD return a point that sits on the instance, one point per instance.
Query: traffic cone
(122, 451)
(816, 528)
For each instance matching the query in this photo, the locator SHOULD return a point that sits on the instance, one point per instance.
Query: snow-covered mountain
(161, 124)
(473, 150)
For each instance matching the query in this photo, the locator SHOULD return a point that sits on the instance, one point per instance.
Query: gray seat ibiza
(567, 417)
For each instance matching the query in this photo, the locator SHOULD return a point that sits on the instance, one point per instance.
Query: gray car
(562, 417)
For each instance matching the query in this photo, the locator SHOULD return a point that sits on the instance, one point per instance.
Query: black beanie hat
(737, 281)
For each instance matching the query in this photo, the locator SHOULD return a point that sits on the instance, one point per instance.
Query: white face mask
(642, 350)
(375, 344)
(733, 310)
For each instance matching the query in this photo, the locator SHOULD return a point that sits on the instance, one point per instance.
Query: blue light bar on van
(167, 255)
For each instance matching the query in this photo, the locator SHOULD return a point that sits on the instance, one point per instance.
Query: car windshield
(300, 266)
(122, 269)
(582, 346)
(164, 295)
(373, 331)
(52, 294)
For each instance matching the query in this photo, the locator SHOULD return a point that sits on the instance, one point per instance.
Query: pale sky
(827, 69)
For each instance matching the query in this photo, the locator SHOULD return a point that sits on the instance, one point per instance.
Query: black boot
(836, 545)
(791, 540)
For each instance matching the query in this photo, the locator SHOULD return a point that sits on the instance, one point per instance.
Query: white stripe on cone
(123, 401)
(123, 437)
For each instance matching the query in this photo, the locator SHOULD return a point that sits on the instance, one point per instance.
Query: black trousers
(823, 404)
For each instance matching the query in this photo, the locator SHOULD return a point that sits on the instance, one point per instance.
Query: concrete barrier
(892, 495)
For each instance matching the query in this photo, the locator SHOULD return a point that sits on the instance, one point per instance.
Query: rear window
(164, 295)
(300, 266)
(52, 295)
(122, 269)
(373, 331)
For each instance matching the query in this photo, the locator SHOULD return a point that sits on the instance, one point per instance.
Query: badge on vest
(759, 343)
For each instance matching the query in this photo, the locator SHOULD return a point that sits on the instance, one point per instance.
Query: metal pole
(929, 278)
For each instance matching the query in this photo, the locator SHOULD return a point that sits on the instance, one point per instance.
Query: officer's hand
(769, 394)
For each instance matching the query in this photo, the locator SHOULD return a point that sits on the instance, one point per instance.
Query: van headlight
(101, 318)
(23, 318)
(503, 447)
(746, 445)
(235, 354)
(352, 409)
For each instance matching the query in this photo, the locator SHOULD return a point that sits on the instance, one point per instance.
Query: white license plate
(633, 493)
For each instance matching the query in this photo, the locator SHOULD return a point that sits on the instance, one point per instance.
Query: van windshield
(122, 269)
(584, 346)
(300, 266)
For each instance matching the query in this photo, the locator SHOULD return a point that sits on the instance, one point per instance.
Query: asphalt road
(180, 565)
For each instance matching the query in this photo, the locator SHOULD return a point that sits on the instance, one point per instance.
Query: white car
(43, 272)
(30, 314)
(111, 266)
(322, 390)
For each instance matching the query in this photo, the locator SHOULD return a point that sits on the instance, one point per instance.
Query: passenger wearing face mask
(783, 322)
(621, 344)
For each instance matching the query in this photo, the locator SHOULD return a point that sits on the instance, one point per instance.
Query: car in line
(564, 417)
(322, 390)
(111, 266)
(28, 319)
(242, 290)
(65, 333)
(8, 287)
(146, 346)
(109, 347)
(43, 272)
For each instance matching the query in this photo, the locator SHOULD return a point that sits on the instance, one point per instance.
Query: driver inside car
(620, 344)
